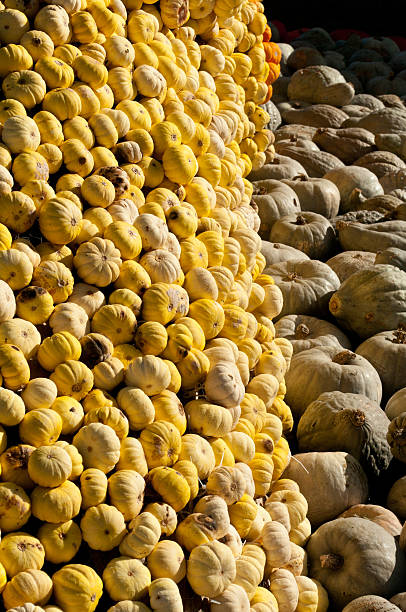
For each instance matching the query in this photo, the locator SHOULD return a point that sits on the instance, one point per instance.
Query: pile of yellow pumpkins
(141, 399)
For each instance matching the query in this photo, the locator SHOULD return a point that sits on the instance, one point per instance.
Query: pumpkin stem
(291, 276)
(18, 456)
(302, 331)
(331, 561)
(399, 436)
(344, 357)
(399, 336)
(342, 225)
(356, 417)
(300, 177)
(300, 220)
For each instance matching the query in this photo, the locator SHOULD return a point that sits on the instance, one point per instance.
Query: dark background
(384, 19)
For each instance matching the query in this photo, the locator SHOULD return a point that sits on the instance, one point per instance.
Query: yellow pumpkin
(161, 442)
(76, 458)
(14, 462)
(182, 221)
(125, 237)
(171, 485)
(210, 316)
(90, 103)
(99, 446)
(93, 487)
(78, 128)
(132, 456)
(116, 322)
(76, 157)
(103, 527)
(179, 164)
(49, 466)
(61, 541)
(16, 268)
(71, 413)
(77, 588)
(211, 568)
(111, 416)
(12, 408)
(179, 343)
(145, 531)
(56, 278)
(126, 490)
(98, 262)
(49, 127)
(40, 427)
(167, 560)
(38, 44)
(14, 368)
(151, 338)
(57, 349)
(90, 71)
(250, 568)
(20, 551)
(57, 504)
(126, 579)
(55, 71)
(25, 86)
(149, 373)
(137, 406)
(126, 297)
(32, 585)
(169, 408)
(60, 220)
(84, 27)
(18, 211)
(73, 379)
(15, 506)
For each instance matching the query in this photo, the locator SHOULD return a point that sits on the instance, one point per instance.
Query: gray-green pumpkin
(308, 232)
(392, 256)
(352, 557)
(274, 200)
(371, 300)
(306, 286)
(378, 514)
(396, 437)
(346, 263)
(305, 332)
(396, 404)
(327, 368)
(331, 482)
(366, 603)
(396, 500)
(399, 600)
(387, 353)
(276, 252)
(371, 236)
(347, 422)
(316, 195)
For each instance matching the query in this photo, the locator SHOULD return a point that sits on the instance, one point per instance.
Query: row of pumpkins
(331, 199)
(143, 423)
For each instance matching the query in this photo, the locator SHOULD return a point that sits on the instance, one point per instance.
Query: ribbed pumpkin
(20, 551)
(61, 541)
(77, 587)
